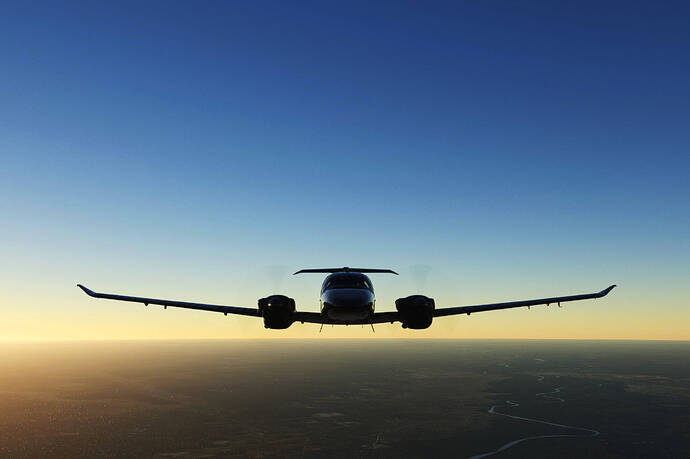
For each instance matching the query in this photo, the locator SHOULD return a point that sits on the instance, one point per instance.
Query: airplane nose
(348, 298)
(347, 304)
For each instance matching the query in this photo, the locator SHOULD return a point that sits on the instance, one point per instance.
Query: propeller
(420, 275)
(277, 275)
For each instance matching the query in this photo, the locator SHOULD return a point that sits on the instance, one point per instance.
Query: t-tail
(345, 269)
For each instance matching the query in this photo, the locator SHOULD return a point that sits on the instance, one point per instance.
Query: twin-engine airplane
(347, 298)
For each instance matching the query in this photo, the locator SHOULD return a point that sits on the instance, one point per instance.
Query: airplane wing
(316, 318)
(310, 317)
(176, 304)
(516, 304)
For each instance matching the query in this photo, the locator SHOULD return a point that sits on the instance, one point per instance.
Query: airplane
(347, 298)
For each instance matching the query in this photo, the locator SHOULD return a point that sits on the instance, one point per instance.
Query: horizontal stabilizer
(346, 270)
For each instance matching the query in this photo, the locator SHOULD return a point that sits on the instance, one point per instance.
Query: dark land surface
(325, 398)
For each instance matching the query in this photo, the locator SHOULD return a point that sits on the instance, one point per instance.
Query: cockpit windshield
(347, 281)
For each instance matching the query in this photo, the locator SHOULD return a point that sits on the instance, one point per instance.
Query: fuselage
(347, 297)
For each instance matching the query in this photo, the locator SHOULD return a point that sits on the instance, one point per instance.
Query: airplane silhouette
(347, 298)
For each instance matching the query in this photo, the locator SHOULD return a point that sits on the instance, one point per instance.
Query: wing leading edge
(379, 317)
(298, 316)
(176, 304)
(316, 318)
(516, 304)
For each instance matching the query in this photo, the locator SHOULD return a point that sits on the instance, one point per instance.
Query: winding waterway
(552, 395)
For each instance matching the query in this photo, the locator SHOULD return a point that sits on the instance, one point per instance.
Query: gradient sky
(202, 151)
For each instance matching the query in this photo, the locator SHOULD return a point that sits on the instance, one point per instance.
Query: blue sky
(515, 150)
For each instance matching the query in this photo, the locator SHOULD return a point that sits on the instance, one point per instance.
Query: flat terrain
(325, 398)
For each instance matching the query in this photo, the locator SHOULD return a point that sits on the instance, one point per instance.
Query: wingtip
(607, 290)
(86, 290)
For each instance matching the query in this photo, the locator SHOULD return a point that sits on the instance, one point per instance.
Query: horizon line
(106, 340)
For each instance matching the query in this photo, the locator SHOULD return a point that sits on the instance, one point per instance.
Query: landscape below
(345, 398)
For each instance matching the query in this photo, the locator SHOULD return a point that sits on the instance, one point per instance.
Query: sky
(204, 151)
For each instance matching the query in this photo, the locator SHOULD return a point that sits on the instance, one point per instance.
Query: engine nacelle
(277, 311)
(417, 311)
